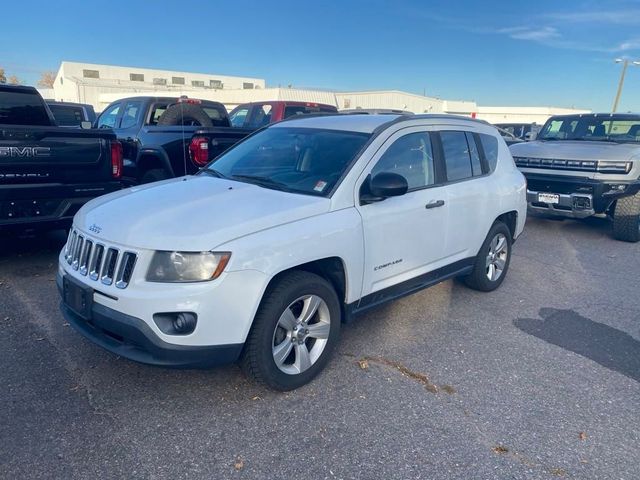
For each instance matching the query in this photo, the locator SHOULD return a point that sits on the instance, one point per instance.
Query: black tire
(154, 175)
(185, 114)
(257, 358)
(626, 219)
(478, 279)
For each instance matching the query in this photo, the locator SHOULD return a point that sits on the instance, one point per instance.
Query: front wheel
(492, 262)
(626, 219)
(294, 332)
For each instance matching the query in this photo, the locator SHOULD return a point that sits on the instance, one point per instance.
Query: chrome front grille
(99, 262)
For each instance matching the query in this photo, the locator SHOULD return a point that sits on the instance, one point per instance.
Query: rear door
(468, 193)
(130, 121)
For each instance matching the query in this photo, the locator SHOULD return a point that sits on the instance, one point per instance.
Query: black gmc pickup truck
(48, 172)
(165, 137)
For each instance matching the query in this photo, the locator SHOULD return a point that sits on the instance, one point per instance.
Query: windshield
(604, 129)
(301, 160)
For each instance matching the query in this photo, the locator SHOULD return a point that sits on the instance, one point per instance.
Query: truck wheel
(492, 262)
(294, 332)
(154, 175)
(185, 114)
(626, 219)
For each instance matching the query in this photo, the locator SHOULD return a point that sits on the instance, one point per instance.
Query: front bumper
(132, 338)
(578, 197)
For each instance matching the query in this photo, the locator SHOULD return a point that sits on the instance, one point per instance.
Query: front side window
(456, 155)
(238, 117)
(410, 156)
(298, 160)
(130, 114)
(109, 117)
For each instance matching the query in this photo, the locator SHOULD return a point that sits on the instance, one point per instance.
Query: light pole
(625, 64)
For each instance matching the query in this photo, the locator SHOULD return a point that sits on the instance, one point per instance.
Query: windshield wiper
(213, 172)
(261, 181)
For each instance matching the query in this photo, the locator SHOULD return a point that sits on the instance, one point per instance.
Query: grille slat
(84, 257)
(109, 268)
(99, 262)
(96, 262)
(76, 252)
(127, 263)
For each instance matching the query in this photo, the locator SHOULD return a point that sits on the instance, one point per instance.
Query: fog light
(176, 323)
(184, 323)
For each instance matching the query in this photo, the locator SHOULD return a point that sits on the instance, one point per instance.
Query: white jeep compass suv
(265, 252)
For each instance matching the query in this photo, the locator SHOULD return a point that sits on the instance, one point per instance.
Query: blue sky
(496, 53)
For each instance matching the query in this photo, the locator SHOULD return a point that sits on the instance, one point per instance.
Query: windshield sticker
(320, 186)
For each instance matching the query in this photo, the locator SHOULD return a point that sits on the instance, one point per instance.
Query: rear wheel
(492, 262)
(294, 332)
(626, 219)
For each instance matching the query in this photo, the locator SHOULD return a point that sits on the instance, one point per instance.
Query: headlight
(187, 266)
(614, 167)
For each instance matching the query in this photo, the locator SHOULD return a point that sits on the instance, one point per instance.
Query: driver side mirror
(383, 185)
(85, 125)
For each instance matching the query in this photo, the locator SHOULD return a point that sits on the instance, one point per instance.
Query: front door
(403, 236)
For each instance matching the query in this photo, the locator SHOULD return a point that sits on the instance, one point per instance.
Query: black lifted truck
(584, 165)
(48, 172)
(164, 137)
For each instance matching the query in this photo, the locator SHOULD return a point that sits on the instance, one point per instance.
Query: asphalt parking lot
(540, 379)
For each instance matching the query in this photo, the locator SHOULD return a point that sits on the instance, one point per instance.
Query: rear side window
(217, 116)
(130, 114)
(261, 116)
(476, 165)
(456, 155)
(22, 107)
(67, 116)
(410, 156)
(490, 147)
(156, 112)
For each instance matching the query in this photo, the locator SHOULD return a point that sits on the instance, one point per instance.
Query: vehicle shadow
(605, 345)
(41, 242)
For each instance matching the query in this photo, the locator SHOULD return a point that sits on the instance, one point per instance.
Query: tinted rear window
(22, 108)
(291, 110)
(67, 116)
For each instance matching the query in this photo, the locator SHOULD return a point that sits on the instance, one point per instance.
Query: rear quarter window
(490, 147)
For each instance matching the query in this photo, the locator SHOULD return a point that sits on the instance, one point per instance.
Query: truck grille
(99, 262)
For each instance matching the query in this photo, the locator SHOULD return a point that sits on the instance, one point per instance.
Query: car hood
(194, 213)
(575, 150)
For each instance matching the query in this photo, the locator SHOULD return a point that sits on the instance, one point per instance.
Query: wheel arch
(153, 157)
(510, 219)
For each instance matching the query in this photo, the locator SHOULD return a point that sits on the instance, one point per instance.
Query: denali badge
(95, 228)
(25, 152)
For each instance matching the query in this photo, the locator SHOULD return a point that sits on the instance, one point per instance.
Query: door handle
(434, 204)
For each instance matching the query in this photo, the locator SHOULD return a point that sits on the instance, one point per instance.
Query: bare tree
(13, 80)
(3, 77)
(46, 79)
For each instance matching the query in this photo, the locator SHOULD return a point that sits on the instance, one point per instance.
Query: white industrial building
(99, 85)
(86, 82)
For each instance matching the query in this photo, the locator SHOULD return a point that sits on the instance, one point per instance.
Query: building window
(247, 85)
(215, 83)
(159, 81)
(347, 103)
(90, 73)
(177, 80)
(61, 81)
(136, 77)
(197, 83)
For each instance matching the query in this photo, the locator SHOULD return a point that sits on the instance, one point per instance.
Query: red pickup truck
(258, 114)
